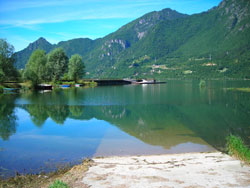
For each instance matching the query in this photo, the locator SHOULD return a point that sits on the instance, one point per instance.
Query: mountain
(166, 43)
(80, 46)
(22, 56)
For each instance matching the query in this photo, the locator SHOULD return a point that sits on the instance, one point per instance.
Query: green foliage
(57, 64)
(76, 67)
(42, 68)
(88, 83)
(35, 69)
(58, 184)
(237, 148)
(65, 76)
(7, 69)
(1, 89)
(212, 44)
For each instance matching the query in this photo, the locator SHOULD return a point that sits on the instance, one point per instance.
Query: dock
(124, 82)
(111, 82)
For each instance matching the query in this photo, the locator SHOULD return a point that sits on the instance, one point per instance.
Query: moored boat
(144, 81)
(147, 81)
(11, 90)
(65, 86)
(44, 87)
(78, 85)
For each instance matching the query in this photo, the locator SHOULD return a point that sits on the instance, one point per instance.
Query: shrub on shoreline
(58, 184)
(1, 89)
(237, 148)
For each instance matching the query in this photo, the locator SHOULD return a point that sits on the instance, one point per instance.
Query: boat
(147, 81)
(143, 81)
(44, 87)
(65, 86)
(11, 90)
(78, 85)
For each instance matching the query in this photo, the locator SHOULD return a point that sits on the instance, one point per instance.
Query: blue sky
(24, 21)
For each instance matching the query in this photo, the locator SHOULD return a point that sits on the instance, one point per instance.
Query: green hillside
(167, 44)
(22, 56)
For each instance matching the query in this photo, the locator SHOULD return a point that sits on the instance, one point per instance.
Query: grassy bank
(238, 149)
(1, 89)
(239, 89)
(26, 86)
(58, 184)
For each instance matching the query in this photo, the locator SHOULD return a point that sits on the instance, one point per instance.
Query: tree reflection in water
(7, 116)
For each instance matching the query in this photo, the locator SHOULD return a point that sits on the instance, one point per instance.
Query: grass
(10, 85)
(33, 180)
(88, 83)
(237, 148)
(58, 184)
(247, 89)
(63, 177)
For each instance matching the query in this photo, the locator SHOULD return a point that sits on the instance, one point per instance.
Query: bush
(58, 184)
(27, 85)
(237, 148)
(1, 89)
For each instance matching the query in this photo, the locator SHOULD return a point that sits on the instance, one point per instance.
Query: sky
(24, 21)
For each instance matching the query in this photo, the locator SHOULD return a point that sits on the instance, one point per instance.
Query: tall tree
(76, 67)
(35, 69)
(57, 64)
(7, 69)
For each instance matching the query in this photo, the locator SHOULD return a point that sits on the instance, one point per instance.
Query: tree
(7, 69)
(76, 67)
(57, 64)
(35, 69)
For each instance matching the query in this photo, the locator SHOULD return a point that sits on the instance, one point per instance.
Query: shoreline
(206, 169)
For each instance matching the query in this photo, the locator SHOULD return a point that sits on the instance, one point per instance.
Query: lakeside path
(189, 170)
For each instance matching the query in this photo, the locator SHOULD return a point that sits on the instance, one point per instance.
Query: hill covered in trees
(167, 44)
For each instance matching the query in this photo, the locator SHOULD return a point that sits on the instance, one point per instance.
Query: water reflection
(7, 116)
(75, 123)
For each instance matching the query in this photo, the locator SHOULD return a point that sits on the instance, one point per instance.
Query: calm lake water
(39, 131)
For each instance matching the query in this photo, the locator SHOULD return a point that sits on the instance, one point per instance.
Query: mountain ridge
(170, 44)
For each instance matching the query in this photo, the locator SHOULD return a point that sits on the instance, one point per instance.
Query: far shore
(213, 169)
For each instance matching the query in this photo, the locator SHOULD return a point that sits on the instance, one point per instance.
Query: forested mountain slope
(164, 44)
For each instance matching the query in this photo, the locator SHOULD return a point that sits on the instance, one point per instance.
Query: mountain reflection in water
(68, 125)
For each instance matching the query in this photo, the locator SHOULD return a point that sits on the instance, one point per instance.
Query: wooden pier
(111, 82)
(124, 82)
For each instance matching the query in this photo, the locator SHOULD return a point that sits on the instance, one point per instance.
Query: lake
(41, 131)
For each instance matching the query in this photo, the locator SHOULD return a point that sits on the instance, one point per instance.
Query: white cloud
(12, 5)
(123, 9)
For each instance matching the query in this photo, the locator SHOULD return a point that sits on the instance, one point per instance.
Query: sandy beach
(189, 170)
(186, 170)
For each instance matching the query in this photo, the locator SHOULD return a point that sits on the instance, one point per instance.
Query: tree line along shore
(54, 68)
